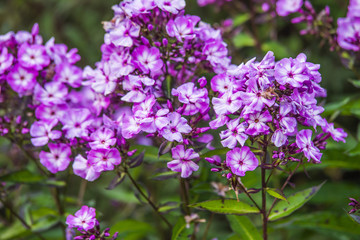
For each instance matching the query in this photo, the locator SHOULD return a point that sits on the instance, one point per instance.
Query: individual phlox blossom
(279, 138)
(33, 56)
(354, 8)
(285, 7)
(262, 71)
(69, 74)
(241, 160)
(254, 99)
(206, 32)
(348, 33)
(84, 219)
(195, 100)
(177, 125)
(6, 60)
(147, 59)
(338, 134)
(84, 169)
(42, 131)
(182, 161)
(286, 122)
(137, 7)
(223, 83)
(305, 144)
(22, 80)
(172, 6)
(104, 159)
(216, 53)
(182, 27)
(52, 93)
(58, 159)
(130, 126)
(133, 85)
(124, 33)
(121, 63)
(102, 138)
(76, 123)
(257, 123)
(59, 52)
(234, 134)
(290, 71)
(48, 113)
(227, 103)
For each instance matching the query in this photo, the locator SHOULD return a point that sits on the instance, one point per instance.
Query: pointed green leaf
(295, 201)
(22, 176)
(355, 217)
(241, 18)
(243, 40)
(276, 193)
(226, 206)
(131, 229)
(180, 231)
(244, 227)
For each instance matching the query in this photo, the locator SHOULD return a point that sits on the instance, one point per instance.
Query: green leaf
(22, 176)
(178, 228)
(244, 227)
(15, 231)
(226, 206)
(356, 83)
(241, 18)
(211, 153)
(355, 217)
(243, 40)
(276, 193)
(295, 201)
(131, 229)
(277, 47)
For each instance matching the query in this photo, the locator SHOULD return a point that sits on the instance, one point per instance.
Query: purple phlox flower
(219, 121)
(42, 131)
(76, 122)
(195, 100)
(206, 138)
(6, 60)
(84, 219)
(255, 99)
(48, 113)
(234, 134)
(124, 33)
(182, 27)
(182, 161)
(241, 160)
(257, 122)
(206, 32)
(33, 56)
(137, 7)
(223, 83)
(121, 63)
(287, 123)
(133, 84)
(103, 79)
(52, 93)
(227, 103)
(104, 159)
(172, 6)
(102, 138)
(305, 144)
(285, 7)
(177, 125)
(338, 134)
(301, 101)
(84, 169)
(262, 71)
(354, 9)
(58, 159)
(216, 53)
(279, 138)
(22, 80)
(23, 37)
(59, 53)
(69, 74)
(312, 70)
(130, 126)
(348, 33)
(147, 59)
(290, 71)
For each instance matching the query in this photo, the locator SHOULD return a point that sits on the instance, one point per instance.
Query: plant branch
(184, 193)
(249, 196)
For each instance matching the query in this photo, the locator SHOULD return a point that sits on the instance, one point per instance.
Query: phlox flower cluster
(348, 31)
(84, 220)
(269, 102)
(203, 3)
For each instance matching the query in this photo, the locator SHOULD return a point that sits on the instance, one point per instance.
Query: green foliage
(226, 206)
(243, 226)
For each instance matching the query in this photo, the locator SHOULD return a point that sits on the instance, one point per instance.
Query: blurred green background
(77, 23)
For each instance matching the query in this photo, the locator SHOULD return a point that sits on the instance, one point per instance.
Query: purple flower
(257, 123)
(234, 134)
(104, 159)
(76, 123)
(103, 138)
(124, 33)
(6, 60)
(255, 99)
(177, 125)
(84, 219)
(195, 100)
(48, 113)
(227, 103)
(337, 134)
(68, 74)
(290, 71)
(52, 93)
(172, 6)
(182, 27)
(33, 56)
(147, 59)
(241, 160)
(216, 53)
(130, 127)
(58, 159)
(354, 8)
(135, 93)
(288, 123)
(278, 138)
(305, 144)
(182, 161)
(41, 132)
(348, 33)
(84, 169)
(285, 7)
(22, 80)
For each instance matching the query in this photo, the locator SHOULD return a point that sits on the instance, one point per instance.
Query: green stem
(184, 193)
(249, 196)
(208, 226)
(136, 185)
(263, 191)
